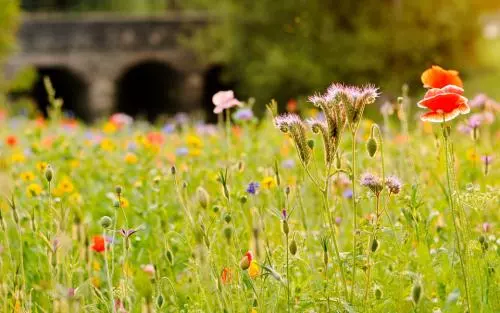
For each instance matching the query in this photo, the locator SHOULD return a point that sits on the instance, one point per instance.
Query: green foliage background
(9, 18)
(284, 48)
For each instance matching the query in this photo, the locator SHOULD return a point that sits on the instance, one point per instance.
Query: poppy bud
(241, 166)
(184, 184)
(170, 256)
(215, 208)
(159, 301)
(118, 190)
(246, 261)
(243, 199)
(106, 222)
(203, 197)
(287, 190)
(310, 143)
(374, 245)
(227, 218)
(293, 247)
(116, 204)
(378, 293)
(228, 233)
(371, 146)
(286, 228)
(173, 170)
(416, 293)
(49, 173)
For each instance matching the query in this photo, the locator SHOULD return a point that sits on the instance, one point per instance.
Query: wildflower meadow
(317, 209)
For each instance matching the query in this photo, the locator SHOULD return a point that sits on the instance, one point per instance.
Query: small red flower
(226, 275)
(11, 140)
(99, 244)
(444, 104)
(437, 77)
(291, 106)
(156, 138)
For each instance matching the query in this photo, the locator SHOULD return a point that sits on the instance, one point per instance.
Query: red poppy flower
(444, 104)
(11, 140)
(99, 244)
(156, 138)
(226, 275)
(437, 77)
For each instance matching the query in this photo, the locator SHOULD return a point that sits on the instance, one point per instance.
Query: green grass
(195, 233)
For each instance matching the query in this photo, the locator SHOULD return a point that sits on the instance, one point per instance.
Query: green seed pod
(374, 245)
(106, 222)
(286, 228)
(160, 301)
(227, 218)
(310, 143)
(378, 293)
(293, 247)
(228, 233)
(170, 256)
(243, 199)
(416, 293)
(49, 173)
(203, 197)
(215, 208)
(371, 146)
(118, 190)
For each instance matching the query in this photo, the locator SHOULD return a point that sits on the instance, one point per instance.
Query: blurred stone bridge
(104, 63)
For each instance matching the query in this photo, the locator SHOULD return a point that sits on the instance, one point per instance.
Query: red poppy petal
(445, 102)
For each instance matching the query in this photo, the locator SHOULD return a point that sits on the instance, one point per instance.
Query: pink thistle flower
(224, 100)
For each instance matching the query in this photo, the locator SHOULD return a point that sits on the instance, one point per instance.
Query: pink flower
(224, 100)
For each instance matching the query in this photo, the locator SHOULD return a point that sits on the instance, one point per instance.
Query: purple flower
(393, 184)
(486, 227)
(347, 194)
(253, 188)
(224, 100)
(181, 118)
(243, 114)
(168, 128)
(182, 151)
(288, 163)
(372, 182)
(478, 101)
(338, 220)
(284, 214)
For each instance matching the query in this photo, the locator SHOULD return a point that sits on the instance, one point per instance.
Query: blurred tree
(286, 48)
(9, 18)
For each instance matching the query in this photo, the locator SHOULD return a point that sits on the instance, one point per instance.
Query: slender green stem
(454, 217)
(369, 249)
(108, 276)
(355, 217)
(287, 275)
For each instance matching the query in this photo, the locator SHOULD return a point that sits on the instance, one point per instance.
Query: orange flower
(444, 104)
(11, 140)
(291, 105)
(226, 275)
(99, 244)
(437, 77)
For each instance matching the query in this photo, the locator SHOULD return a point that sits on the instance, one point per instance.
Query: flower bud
(374, 245)
(228, 233)
(243, 199)
(160, 301)
(49, 173)
(170, 256)
(227, 218)
(215, 208)
(378, 293)
(287, 190)
(118, 190)
(293, 247)
(106, 222)
(475, 133)
(286, 228)
(416, 293)
(371, 146)
(245, 263)
(203, 197)
(116, 203)
(173, 170)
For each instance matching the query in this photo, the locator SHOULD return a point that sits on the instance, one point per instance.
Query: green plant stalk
(369, 252)
(454, 215)
(355, 217)
(287, 275)
(108, 277)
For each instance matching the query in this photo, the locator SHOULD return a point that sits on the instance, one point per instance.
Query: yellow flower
(194, 152)
(65, 186)
(41, 166)
(472, 155)
(75, 198)
(109, 128)
(18, 158)
(131, 158)
(74, 163)
(194, 141)
(107, 145)
(27, 176)
(96, 266)
(34, 190)
(96, 282)
(268, 182)
(138, 184)
(254, 269)
(253, 310)
(124, 202)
